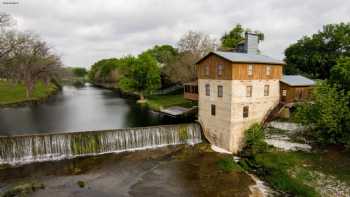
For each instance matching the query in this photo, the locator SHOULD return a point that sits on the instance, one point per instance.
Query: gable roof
(244, 57)
(297, 80)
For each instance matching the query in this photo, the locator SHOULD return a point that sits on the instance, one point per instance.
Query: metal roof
(297, 80)
(245, 57)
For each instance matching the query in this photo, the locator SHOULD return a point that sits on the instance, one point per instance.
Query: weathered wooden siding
(213, 61)
(236, 71)
(240, 72)
(295, 93)
(191, 96)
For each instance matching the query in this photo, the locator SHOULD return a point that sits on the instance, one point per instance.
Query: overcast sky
(84, 31)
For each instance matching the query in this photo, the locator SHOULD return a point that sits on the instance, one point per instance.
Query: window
(207, 70)
(220, 91)
(250, 70)
(195, 89)
(249, 91)
(284, 92)
(220, 69)
(266, 90)
(245, 111)
(207, 90)
(213, 110)
(268, 70)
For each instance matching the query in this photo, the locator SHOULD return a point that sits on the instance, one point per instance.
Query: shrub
(228, 165)
(254, 139)
(328, 116)
(81, 184)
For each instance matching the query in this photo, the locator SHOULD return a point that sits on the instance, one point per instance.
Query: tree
(104, 70)
(235, 36)
(196, 43)
(340, 73)
(79, 72)
(140, 75)
(328, 116)
(192, 46)
(164, 54)
(31, 61)
(5, 20)
(316, 55)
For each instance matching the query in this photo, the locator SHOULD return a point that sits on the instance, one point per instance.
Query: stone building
(236, 90)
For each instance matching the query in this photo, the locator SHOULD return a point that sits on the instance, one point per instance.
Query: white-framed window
(220, 91)
(266, 90)
(249, 91)
(284, 92)
(207, 89)
(220, 69)
(250, 70)
(268, 70)
(206, 70)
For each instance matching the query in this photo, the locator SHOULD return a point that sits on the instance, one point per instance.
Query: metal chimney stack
(251, 43)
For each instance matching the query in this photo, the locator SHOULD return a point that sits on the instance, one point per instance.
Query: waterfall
(43, 147)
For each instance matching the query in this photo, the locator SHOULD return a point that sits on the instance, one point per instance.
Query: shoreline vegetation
(12, 94)
(156, 102)
(323, 171)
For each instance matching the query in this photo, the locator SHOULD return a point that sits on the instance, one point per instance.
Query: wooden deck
(177, 111)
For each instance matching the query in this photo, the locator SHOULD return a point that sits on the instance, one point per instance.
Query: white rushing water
(30, 148)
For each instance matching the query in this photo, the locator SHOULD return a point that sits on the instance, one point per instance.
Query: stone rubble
(325, 185)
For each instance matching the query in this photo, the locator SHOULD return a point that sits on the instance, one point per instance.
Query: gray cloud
(84, 31)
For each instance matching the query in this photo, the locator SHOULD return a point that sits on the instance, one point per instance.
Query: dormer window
(219, 69)
(207, 70)
(268, 70)
(250, 70)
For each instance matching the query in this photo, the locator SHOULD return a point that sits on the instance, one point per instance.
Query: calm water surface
(80, 109)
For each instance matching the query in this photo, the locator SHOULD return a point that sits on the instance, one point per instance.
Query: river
(80, 109)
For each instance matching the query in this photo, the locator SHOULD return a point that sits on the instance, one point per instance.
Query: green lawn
(163, 101)
(16, 93)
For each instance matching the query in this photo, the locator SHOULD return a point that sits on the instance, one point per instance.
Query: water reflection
(79, 109)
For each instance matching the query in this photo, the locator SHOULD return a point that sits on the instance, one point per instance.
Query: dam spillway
(44, 147)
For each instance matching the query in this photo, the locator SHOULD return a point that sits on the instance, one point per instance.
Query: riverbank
(171, 171)
(158, 102)
(15, 94)
(293, 169)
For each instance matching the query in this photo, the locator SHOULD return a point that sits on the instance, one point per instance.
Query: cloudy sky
(84, 31)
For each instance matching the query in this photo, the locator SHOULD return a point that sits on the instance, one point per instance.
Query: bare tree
(29, 61)
(8, 41)
(25, 58)
(5, 20)
(33, 61)
(192, 46)
(196, 43)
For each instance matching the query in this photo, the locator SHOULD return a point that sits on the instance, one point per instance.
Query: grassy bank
(158, 102)
(301, 173)
(16, 93)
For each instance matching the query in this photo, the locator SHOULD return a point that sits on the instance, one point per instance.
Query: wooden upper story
(238, 66)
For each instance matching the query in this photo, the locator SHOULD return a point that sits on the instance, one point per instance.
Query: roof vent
(251, 43)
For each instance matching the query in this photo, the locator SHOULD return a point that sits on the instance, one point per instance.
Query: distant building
(236, 90)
